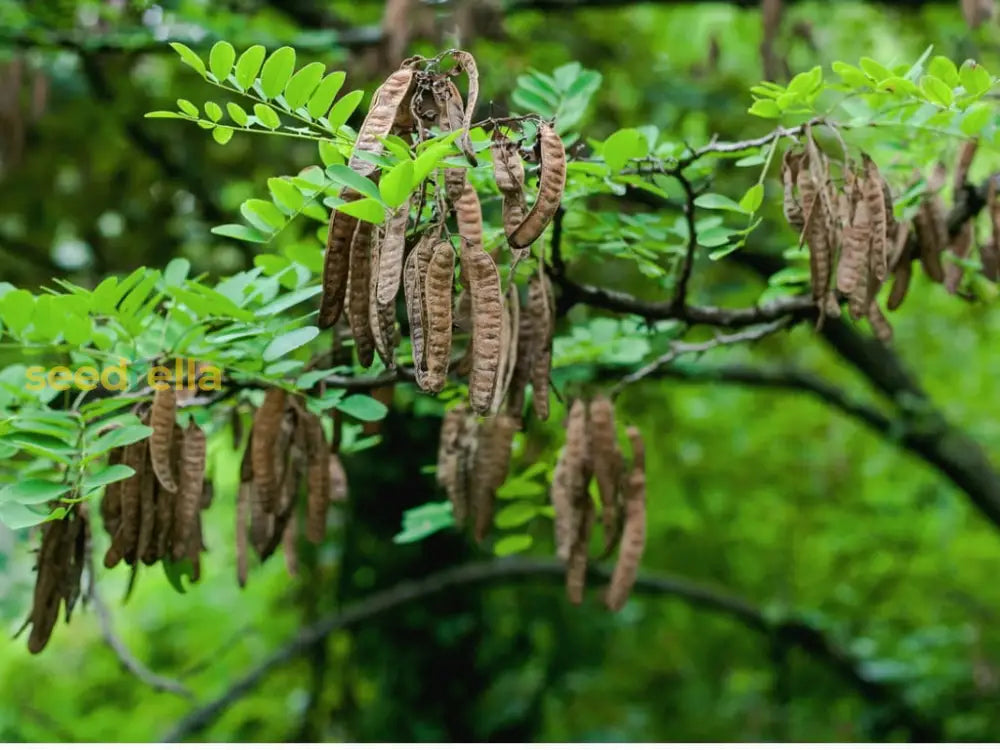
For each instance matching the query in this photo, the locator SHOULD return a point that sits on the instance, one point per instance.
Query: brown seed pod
(900, 282)
(451, 117)
(570, 479)
(960, 246)
(162, 419)
(551, 183)
(490, 466)
(608, 464)
(124, 544)
(48, 583)
(790, 164)
(413, 294)
(576, 565)
(634, 534)
(78, 538)
(391, 250)
(932, 236)
(381, 318)
(487, 324)
(145, 545)
(318, 479)
(508, 170)
(812, 184)
(874, 198)
(467, 63)
(881, 326)
(336, 263)
(469, 215)
(111, 500)
(541, 305)
(852, 269)
(379, 120)
(437, 294)
(266, 429)
(339, 488)
(288, 544)
(189, 496)
(358, 293)
(449, 457)
(508, 348)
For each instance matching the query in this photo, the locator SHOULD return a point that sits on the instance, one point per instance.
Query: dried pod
(491, 464)
(391, 251)
(437, 296)
(358, 293)
(379, 120)
(126, 540)
(900, 282)
(336, 263)
(381, 318)
(960, 247)
(162, 419)
(189, 496)
(48, 590)
(551, 183)
(451, 117)
(634, 534)
(608, 464)
(852, 269)
(145, 545)
(318, 479)
(487, 324)
(576, 565)
(449, 458)
(881, 326)
(541, 306)
(267, 425)
(469, 216)
(508, 170)
(413, 293)
(570, 479)
(288, 544)
(339, 488)
(813, 177)
(874, 198)
(513, 209)
(467, 63)
(790, 163)
(111, 501)
(508, 348)
(932, 236)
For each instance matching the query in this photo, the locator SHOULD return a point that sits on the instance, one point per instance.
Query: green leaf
(852, 76)
(17, 516)
(282, 303)
(164, 115)
(248, 65)
(262, 214)
(285, 193)
(301, 85)
(767, 108)
(189, 57)
(343, 109)
(366, 209)
(806, 83)
(214, 111)
(176, 571)
(511, 545)
(222, 135)
(237, 114)
(322, 98)
(874, 69)
(714, 237)
(220, 60)
(752, 199)
(187, 107)
(515, 514)
(176, 271)
(943, 68)
(936, 90)
(430, 157)
(397, 183)
(276, 72)
(976, 80)
(116, 438)
(718, 202)
(17, 309)
(329, 154)
(286, 342)
(108, 475)
(344, 175)
(623, 146)
(362, 407)
(266, 116)
(239, 232)
(77, 329)
(33, 491)
(976, 119)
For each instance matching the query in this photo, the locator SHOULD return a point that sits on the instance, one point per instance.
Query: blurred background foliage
(771, 495)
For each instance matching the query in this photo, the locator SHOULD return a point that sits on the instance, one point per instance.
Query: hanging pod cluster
(64, 546)
(287, 451)
(155, 514)
(415, 251)
(855, 242)
(591, 452)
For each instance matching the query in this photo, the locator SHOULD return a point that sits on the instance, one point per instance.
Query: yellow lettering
(121, 382)
(86, 378)
(211, 378)
(158, 377)
(60, 378)
(36, 378)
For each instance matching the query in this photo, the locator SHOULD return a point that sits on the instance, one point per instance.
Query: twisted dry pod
(467, 63)
(60, 567)
(813, 178)
(608, 465)
(541, 302)
(318, 479)
(358, 293)
(449, 457)
(874, 196)
(508, 170)
(381, 318)
(380, 118)
(437, 296)
(451, 117)
(487, 325)
(790, 163)
(634, 534)
(491, 464)
(267, 426)
(126, 539)
(576, 565)
(570, 479)
(162, 419)
(508, 348)
(192, 481)
(903, 273)
(414, 296)
(391, 251)
(551, 183)
(336, 263)
(879, 324)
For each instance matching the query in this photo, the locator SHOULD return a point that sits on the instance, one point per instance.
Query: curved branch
(794, 631)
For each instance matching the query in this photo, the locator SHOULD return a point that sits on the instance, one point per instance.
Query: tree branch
(793, 630)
